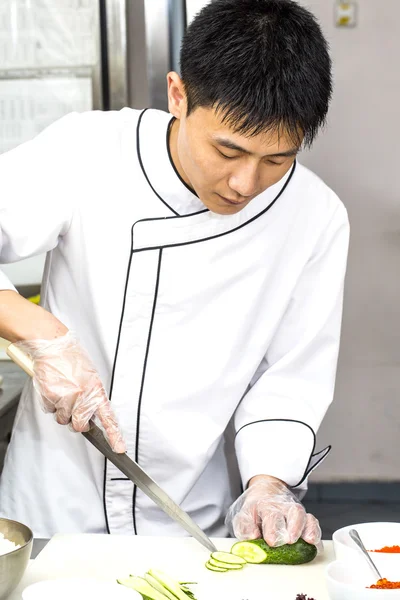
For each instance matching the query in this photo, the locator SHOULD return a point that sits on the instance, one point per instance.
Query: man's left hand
(268, 509)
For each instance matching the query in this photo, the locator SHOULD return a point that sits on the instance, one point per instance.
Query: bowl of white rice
(15, 551)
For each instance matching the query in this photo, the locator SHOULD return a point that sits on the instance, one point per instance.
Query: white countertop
(107, 558)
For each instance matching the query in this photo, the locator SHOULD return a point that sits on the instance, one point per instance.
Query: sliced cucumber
(250, 552)
(221, 565)
(168, 583)
(143, 587)
(188, 592)
(216, 569)
(160, 588)
(228, 558)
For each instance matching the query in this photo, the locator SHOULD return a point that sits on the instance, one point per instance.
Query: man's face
(226, 169)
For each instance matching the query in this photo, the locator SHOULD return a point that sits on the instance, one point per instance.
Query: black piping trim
(112, 380)
(172, 162)
(218, 235)
(315, 465)
(142, 384)
(139, 155)
(104, 497)
(329, 448)
(115, 357)
(119, 479)
(307, 469)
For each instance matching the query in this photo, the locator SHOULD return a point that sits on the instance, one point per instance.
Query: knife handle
(21, 359)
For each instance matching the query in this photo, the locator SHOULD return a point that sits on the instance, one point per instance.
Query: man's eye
(225, 155)
(272, 162)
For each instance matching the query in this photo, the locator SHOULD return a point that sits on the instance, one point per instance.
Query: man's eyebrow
(232, 146)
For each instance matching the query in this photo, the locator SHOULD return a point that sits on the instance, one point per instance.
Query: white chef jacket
(194, 320)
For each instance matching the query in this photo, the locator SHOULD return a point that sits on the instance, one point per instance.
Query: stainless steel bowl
(13, 564)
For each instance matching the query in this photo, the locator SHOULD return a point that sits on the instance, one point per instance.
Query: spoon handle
(356, 538)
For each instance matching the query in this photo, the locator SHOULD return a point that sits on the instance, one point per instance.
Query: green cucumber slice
(250, 552)
(188, 592)
(160, 588)
(216, 569)
(221, 565)
(168, 583)
(228, 558)
(143, 587)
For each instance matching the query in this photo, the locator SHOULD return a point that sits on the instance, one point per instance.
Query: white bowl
(351, 581)
(78, 589)
(374, 536)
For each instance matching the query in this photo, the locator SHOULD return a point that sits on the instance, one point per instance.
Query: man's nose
(244, 181)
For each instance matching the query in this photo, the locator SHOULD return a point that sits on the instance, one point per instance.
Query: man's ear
(176, 95)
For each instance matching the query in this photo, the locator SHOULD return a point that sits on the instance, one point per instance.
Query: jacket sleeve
(278, 417)
(36, 196)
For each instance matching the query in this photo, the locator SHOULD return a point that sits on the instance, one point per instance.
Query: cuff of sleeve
(5, 283)
(280, 448)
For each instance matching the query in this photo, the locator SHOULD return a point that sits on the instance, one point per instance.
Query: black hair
(263, 64)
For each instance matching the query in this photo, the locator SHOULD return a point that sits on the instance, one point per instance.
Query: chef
(193, 286)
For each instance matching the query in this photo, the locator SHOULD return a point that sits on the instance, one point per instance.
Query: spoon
(356, 538)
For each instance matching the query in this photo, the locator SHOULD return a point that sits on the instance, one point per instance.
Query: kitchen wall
(358, 156)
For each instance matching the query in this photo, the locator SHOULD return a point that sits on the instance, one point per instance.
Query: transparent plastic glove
(70, 386)
(269, 510)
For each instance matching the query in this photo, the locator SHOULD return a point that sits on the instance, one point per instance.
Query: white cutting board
(107, 557)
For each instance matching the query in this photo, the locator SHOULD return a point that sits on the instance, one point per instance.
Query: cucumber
(228, 558)
(156, 585)
(216, 569)
(188, 592)
(143, 587)
(258, 552)
(221, 565)
(168, 583)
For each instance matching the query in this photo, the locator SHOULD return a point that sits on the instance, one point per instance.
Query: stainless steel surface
(117, 53)
(13, 564)
(356, 538)
(38, 546)
(144, 482)
(177, 27)
(97, 74)
(158, 50)
(10, 391)
(138, 77)
(144, 38)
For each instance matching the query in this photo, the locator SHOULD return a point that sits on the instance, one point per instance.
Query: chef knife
(127, 466)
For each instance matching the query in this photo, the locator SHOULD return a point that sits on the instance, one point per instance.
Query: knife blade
(127, 466)
(144, 482)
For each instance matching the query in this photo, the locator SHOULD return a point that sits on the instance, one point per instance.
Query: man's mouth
(232, 202)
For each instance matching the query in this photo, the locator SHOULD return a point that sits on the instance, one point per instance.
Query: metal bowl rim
(26, 543)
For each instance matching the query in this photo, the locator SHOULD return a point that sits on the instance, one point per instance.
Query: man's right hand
(70, 386)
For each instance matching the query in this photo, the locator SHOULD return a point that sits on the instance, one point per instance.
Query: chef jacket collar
(158, 167)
